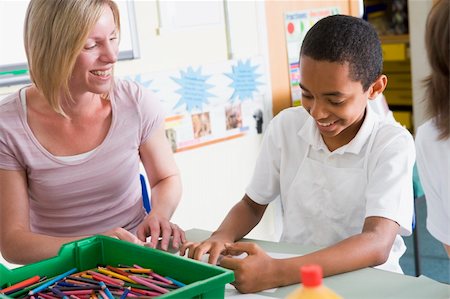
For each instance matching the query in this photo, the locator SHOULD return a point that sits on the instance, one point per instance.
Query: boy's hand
(214, 245)
(254, 273)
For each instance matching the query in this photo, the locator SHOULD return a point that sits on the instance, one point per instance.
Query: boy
(344, 176)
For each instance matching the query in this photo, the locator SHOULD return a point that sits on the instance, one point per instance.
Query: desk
(362, 284)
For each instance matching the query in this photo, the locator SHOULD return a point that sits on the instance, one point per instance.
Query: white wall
(417, 13)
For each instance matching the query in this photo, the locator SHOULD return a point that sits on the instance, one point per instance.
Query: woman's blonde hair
(54, 35)
(437, 84)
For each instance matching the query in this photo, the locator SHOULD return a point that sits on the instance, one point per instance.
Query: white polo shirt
(387, 162)
(433, 162)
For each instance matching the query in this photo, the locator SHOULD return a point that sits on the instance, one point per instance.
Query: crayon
(149, 284)
(46, 296)
(103, 294)
(79, 288)
(140, 292)
(116, 275)
(78, 292)
(20, 285)
(176, 282)
(117, 270)
(27, 289)
(106, 290)
(58, 293)
(51, 281)
(104, 278)
(137, 286)
(92, 281)
(135, 270)
(65, 284)
(125, 293)
(93, 295)
(160, 283)
(159, 277)
(123, 266)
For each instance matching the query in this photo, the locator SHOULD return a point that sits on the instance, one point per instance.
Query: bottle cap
(311, 275)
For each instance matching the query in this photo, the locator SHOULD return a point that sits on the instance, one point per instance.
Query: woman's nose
(110, 52)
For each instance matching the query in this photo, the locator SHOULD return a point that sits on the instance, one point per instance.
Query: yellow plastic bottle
(312, 287)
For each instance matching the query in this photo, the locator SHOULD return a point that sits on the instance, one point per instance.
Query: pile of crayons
(103, 282)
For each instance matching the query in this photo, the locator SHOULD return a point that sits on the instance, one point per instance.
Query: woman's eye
(90, 47)
(306, 96)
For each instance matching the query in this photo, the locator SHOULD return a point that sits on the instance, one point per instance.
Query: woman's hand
(157, 227)
(123, 234)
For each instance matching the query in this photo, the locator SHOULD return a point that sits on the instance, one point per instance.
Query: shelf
(394, 39)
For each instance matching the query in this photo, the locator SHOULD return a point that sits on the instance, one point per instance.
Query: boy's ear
(377, 87)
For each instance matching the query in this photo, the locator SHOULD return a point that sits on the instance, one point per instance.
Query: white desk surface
(366, 283)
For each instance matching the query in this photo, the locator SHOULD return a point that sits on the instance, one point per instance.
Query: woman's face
(93, 68)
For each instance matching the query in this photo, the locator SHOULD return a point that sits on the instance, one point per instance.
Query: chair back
(145, 196)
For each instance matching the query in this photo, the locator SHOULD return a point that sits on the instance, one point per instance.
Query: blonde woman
(71, 142)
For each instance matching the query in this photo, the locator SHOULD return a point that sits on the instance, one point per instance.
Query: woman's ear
(377, 87)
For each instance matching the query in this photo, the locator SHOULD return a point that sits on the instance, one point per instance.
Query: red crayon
(21, 284)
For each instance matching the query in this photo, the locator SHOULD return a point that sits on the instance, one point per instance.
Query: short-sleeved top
(433, 163)
(292, 136)
(93, 194)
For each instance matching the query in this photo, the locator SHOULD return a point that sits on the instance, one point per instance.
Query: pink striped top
(93, 194)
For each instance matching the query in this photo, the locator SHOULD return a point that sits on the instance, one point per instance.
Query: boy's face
(336, 103)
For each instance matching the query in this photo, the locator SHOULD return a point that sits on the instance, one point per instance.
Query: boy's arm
(241, 219)
(258, 271)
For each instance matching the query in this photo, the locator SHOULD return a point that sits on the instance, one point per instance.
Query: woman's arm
(164, 178)
(17, 243)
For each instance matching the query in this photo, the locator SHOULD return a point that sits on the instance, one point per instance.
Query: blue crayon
(104, 288)
(51, 281)
(58, 293)
(175, 282)
(125, 293)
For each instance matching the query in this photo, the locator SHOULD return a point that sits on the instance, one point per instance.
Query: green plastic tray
(202, 280)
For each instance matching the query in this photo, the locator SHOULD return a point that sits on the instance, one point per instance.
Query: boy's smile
(333, 99)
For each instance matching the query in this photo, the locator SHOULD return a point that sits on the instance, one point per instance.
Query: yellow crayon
(116, 275)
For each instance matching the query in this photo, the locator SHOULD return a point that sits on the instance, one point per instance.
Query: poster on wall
(296, 26)
(210, 103)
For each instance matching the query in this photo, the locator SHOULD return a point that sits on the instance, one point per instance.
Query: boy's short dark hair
(341, 39)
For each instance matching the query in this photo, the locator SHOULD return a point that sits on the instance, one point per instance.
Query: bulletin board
(297, 25)
(13, 65)
(210, 103)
